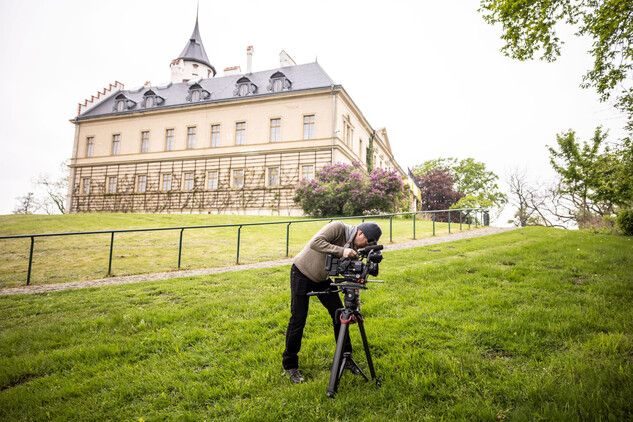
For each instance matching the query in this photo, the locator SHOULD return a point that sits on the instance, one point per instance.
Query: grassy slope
(73, 258)
(530, 324)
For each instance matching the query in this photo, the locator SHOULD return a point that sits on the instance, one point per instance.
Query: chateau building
(238, 143)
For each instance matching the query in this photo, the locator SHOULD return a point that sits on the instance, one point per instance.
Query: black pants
(300, 286)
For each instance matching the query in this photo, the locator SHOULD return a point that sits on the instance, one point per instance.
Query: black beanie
(371, 231)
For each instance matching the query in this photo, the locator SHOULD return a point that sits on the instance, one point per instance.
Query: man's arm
(322, 241)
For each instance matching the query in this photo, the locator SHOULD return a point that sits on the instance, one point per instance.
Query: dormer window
(244, 87)
(123, 103)
(279, 82)
(197, 93)
(150, 99)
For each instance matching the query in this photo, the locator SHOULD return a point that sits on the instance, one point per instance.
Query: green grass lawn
(74, 258)
(533, 324)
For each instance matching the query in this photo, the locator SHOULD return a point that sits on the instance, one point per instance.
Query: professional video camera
(355, 270)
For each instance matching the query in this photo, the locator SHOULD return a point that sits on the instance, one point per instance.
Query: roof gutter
(333, 124)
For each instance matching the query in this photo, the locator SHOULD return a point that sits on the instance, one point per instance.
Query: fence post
(28, 276)
(414, 215)
(110, 260)
(433, 214)
(390, 226)
(460, 221)
(287, 237)
(180, 247)
(239, 229)
(449, 221)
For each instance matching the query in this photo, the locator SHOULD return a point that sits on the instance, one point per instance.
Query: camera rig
(352, 277)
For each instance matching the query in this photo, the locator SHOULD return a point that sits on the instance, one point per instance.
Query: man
(308, 274)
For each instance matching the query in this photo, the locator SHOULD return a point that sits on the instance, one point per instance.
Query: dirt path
(43, 288)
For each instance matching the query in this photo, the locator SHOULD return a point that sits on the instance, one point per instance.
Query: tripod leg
(361, 327)
(338, 356)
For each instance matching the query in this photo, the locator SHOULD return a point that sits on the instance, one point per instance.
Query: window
(122, 103)
(238, 179)
(308, 127)
(145, 141)
(240, 133)
(85, 185)
(278, 82)
(273, 176)
(275, 130)
(90, 146)
(244, 87)
(307, 171)
(166, 182)
(212, 180)
(141, 183)
(116, 144)
(188, 182)
(112, 184)
(197, 93)
(150, 99)
(215, 135)
(191, 137)
(169, 140)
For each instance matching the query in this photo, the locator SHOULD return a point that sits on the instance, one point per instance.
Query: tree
(478, 185)
(346, 190)
(437, 191)
(55, 189)
(529, 30)
(527, 200)
(27, 204)
(595, 180)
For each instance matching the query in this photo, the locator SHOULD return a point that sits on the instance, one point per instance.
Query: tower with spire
(193, 63)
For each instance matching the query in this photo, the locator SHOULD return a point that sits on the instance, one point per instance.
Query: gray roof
(194, 50)
(300, 77)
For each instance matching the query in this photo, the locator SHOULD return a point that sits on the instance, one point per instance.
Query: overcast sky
(429, 71)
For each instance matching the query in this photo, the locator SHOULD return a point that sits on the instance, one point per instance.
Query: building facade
(239, 143)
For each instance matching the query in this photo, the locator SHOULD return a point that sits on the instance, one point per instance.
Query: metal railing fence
(471, 215)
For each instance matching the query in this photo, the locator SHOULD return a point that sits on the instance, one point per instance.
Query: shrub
(625, 222)
(345, 190)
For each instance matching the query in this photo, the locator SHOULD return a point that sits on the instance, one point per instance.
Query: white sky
(429, 71)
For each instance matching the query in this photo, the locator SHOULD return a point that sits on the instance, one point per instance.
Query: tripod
(350, 314)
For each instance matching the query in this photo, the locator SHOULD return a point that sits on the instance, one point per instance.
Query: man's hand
(349, 253)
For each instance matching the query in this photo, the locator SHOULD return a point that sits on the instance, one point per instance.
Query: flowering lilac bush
(343, 190)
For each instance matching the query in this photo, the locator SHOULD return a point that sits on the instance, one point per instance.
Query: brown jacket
(311, 260)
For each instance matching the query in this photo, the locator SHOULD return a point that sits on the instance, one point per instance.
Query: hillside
(531, 324)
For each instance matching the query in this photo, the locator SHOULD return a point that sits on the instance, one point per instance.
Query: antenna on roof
(197, 10)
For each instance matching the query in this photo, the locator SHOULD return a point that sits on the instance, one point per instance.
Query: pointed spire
(194, 50)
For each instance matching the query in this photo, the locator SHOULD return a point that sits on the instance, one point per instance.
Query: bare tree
(55, 190)
(27, 204)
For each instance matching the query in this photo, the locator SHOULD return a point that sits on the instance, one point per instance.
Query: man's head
(366, 234)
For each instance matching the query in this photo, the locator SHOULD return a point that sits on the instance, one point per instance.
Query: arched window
(197, 93)
(150, 99)
(244, 87)
(278, 82)
(122, 103)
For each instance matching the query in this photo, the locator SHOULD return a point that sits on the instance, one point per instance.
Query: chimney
(233, 70)
(249, 59)
(285, 59)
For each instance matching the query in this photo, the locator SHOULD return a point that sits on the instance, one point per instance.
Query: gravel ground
(43, 288)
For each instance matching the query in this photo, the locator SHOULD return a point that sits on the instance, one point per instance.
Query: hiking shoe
(349, 365)
(295, 375)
